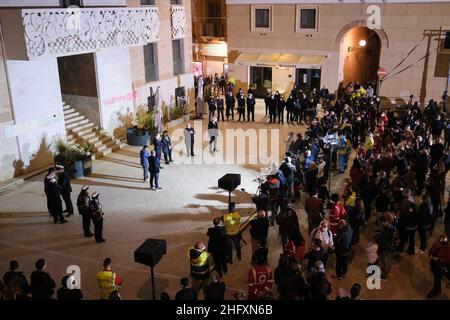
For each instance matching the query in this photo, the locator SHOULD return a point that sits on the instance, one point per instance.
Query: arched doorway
(360, 55)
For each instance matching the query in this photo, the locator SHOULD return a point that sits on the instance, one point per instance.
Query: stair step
(100, 148)
(78, 124)
(74, 119)
(68, 111)
(67, 106)
(71, 115)
(85, 128)
(92, 139)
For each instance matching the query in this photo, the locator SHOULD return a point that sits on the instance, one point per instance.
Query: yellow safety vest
(231, 221)
(199, 261)
(369, 143)
(107, 283)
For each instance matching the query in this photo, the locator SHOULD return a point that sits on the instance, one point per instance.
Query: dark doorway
(361, 49)
(261, 80)
(308, 79)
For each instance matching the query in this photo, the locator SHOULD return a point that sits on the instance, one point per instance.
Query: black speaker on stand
(229, 182)
(150, 253)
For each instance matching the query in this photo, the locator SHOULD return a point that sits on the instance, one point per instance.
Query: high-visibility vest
(108, 282)
(231, 221)
(369, 143)
(199, 261)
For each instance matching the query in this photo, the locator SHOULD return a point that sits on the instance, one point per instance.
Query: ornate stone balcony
(178, 15)
(59, 32)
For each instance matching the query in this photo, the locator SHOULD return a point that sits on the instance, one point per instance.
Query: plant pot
(134, 139)
(78, 166)
(87, 165)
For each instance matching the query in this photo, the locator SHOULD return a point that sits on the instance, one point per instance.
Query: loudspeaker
(230, 181)
(150, 252)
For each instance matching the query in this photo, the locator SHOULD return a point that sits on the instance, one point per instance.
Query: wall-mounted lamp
(362, 43)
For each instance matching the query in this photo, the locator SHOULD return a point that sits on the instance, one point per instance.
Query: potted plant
(72, 158)
(140, 134)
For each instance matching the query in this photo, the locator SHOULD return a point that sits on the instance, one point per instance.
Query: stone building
(80, 69)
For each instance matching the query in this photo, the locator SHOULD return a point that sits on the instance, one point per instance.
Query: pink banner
(128, 97)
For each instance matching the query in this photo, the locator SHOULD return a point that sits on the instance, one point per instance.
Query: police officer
(220, 107)
(54, 193)
(212, 107)
(108, 281)
(267, 103)
(289, 109)
(158, 149)
(46, 188)
(143, 154)
(251, 107)
(199, 260)
(241, 104)
(66, 189)
(281, 105)
(230, 102)
(273, 109)
(232, 221)
(83, 209)
(167, 147)
(96, 211)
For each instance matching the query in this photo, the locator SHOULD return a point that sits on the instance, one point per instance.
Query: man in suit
(241, 104)
(158, 148)
(144, 161)
(154, 171)
(54, 193)
(189, 134)
(66, 189)
(42, 284)
(46, 189)
(251, 107)
(230, 102)
(217, 246)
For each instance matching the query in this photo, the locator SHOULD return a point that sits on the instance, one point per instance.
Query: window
(147, 2)
(261, 18)
(69, 3)
(175, 1)
(307, 18)
(178, 56)
(151, 62)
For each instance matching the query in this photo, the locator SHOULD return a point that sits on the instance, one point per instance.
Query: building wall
(403, 24)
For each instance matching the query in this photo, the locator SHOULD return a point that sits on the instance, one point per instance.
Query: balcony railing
(59, 32)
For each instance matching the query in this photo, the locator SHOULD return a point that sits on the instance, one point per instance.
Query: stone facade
(402, 27)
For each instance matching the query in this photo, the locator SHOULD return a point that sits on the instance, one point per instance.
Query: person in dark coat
(422, 165)
(230, 101)
(447, 218)
(166, 147)
(14, 275)
(343, 248)
(273, 110)
(54, 193)
(287, 221)
(293, 285)
(215, 291)
(212, 107)
(46, 189)
(280, 108)
(96, 211)
(186, 293)
(66, 294)
(408, 223)
(259, 228)
(189, 135)
(153, 167)
(217, 246)
(220, 107)
(251, 107)
(42, 284)
(319, 285)
(158, 149)
(143, 154)
(66, 189)
(83, 209)
(426, 220)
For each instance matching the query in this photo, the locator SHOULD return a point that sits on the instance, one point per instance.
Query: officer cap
(95, 195)
(85, 188)
(58, 166)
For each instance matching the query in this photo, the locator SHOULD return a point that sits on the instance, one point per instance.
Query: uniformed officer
(46, 183)
(54, 193)
(108, 281)
(212, 107)
(241, 104)
(158, 148)
(231, 221)
(230, 102)
(267, 103)
(251, 107)
(200, 262)
(220, 107)
(83, 209)
(96, 211)
(166, 147)
(273, 109)
(66, 188)
(281, 106)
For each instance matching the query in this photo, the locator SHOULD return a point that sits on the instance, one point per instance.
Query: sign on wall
(33, 125)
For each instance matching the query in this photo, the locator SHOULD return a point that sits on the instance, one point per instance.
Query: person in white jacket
(323, 233)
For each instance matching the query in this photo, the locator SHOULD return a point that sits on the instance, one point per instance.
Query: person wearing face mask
(272, 109)
(324, 234)
(241, 105)
(281, 106)
(230, 102)
(251, 107)
(289, 109)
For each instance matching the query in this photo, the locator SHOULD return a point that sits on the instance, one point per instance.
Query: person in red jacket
(260, 280)
(440, 264)
(337, 212)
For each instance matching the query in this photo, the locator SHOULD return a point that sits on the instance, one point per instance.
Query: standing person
(356, 216)
(158, 149)
(440, 264)
(46, 189)
(215, 290)
(426, 220)
(323, 233)
(17, 277)
(313, 208)
(212, 106)
(200, 263)
(385, 241)
(319, 285)
(343, 248)
(153, 167)
(287, 221)
(217, 246)
(241, 104)
(186, 293)
(66, 294)
(260, 280)
(337, 212)
(342, 152)
(289, 141)
(213, 131)
(408, 223)
(189, 134)
(66, 189)
(230, 102)
(220, 107)
(372, 254)
(447, 218)
(267, 103)
(166, 147)
(83, 209)
(314, 254)
(293, 285)
(251, 107)
(259, 229)
(273, 111)
(42, 284)
(143, 154)
(108, 281)
(96, 211)
(232, 220)
(280, 109)
(54, 193)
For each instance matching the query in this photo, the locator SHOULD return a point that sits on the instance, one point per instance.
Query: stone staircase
(80, 130)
